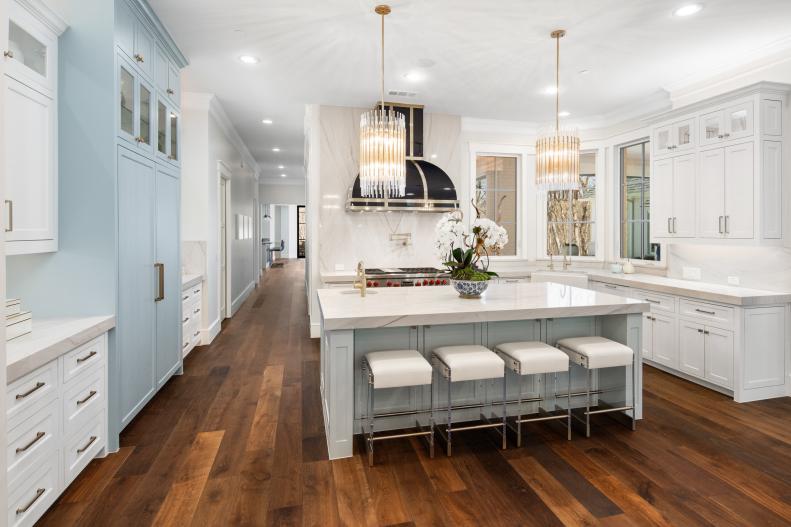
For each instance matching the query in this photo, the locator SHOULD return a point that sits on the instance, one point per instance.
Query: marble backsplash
(193, 257)
(346, 238)
(756, 267)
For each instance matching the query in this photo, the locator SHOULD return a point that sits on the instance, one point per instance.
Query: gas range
(406, 277)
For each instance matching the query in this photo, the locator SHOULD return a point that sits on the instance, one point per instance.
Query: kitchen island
(426, 318)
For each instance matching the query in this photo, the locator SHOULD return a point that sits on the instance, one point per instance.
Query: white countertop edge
(50, 339)
(189, 280)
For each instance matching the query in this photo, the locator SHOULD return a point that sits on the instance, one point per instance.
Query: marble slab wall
(193, 257)
(346, 238)
(756, 267)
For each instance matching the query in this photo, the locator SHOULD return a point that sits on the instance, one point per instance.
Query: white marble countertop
(51, 338)
(740, 296)
(189, 280)
(414, 306)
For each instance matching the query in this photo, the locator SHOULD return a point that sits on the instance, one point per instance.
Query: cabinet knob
(140, 140)
(139, 57)
(726, 135)
(170, 92)
(720, 136)
(8, 54)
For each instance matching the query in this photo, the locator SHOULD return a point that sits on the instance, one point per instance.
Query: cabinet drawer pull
(196, 334)
(186, 319)
(705, 312)
(90, 442)
(197, 311)
(88, 356)
(196, 292)
(185, 345)
(39, 493)
(700, 331)
(652, 301)
(608, 286)
(705, 331)
(10, 215)
(727, 227)
(8, 54)
(38, 386)
(35, 440)
(139, 57)
(87, 397)
(185, 297)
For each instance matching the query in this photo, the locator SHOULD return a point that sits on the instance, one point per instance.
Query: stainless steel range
(406, 277)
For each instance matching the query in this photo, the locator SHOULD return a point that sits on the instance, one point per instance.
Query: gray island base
(426, 318)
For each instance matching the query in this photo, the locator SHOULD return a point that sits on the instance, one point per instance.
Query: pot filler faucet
(361, 280)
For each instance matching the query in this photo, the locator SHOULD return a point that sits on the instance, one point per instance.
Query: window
(496, 194)
(636, 203)
(571, 215)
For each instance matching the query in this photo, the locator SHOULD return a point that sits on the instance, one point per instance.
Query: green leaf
(458, 254)
(491, 273)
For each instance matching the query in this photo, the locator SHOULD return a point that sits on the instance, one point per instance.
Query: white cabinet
(691, 348)
(191, 302)
(663, 339)
(676, 137)
(727, 124)
(32, 50)
(706, 352)
(673, 197)
(725, 192)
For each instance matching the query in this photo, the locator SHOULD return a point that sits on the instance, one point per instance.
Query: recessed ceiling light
(267, 121)
(550, 90)
(688, 10)
(281, 167)
(275, 149)
(563, 114)
(414, 76)
(282, 175)
(249, 59)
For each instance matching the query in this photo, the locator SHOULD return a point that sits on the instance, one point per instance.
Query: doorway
(224, 175)
(302, 231)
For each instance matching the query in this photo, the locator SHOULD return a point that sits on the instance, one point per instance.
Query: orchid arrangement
(465, 252)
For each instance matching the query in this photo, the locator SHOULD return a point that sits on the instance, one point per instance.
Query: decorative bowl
(470, 288)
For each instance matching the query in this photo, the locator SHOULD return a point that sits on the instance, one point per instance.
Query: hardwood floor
(238, 440)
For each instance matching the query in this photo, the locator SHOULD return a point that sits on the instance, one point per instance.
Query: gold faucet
(361, 281)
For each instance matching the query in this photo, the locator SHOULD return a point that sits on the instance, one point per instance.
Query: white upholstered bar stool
(594, 353)
(469, 363)
(395, 369)
(536, 358)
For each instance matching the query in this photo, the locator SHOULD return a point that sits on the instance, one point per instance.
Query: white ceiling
(487, 59)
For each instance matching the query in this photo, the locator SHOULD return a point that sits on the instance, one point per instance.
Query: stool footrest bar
(608, 410)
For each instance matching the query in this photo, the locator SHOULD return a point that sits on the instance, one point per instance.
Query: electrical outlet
(340, 267)
(733, 280)
(691, 273)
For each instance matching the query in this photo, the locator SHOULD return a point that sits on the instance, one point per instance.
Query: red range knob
(444, 282)
(376, 284)
(417, 284)
(369, 283)
(425, 282)
(431, 282)
(389, 283)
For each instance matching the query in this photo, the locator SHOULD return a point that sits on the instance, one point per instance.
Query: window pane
(496, 193)
(571, 215)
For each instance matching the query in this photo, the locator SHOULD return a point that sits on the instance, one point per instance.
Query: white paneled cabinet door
(168, 268)
(719, 356)
(739, 221)
(662, 140)
(137, 286)
(691, 340)
(665, 349)
(711, 193)
(662, 198)
(647, 344)
(683, 223)
(30, 177)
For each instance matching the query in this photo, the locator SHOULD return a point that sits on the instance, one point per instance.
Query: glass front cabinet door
(168, 132)
(739, 121)
(684, 135)
(712, 129)
(31, 51)
(135, 107)
(662, 141)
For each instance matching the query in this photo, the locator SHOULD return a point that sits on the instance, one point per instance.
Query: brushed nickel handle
(706, 332)
(87, 397)
(675, 228)
(8, 54)
(727, 227)
(196, 311)
(610, 286)
(88, 356)
(669, 228)
(39, 493)
(719, 224)
(195, 292)
(161, 278)
(10, 215)
(652, 301)
(720, 136)
(90, 442)
(139, 57)
(186, 319)
(196, 334)
(184, 297)
(38, 386)
(700, 331)
(170, 92)
(33, 442)
(185, 345)
(727, 135)
(705, 312)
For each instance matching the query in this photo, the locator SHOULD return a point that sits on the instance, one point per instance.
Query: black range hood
(428, 187)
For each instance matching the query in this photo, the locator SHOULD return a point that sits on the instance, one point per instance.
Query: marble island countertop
(396, 307)
(50, 338)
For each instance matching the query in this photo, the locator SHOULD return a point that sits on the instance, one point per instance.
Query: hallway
(238, 440)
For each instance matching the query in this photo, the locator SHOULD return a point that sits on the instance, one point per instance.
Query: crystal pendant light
(382, 142)
(558, 152)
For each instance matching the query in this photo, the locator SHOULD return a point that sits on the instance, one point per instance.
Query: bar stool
(536, 358)
(594, 353)
(469, 363)
(395, 369)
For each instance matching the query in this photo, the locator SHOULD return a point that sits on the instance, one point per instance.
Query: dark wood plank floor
(238, 440)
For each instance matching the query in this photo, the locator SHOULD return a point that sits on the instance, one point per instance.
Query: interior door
(662, 198)
(690, 348)
(135, 333)
(168, 307)
(665, 349)
(711, 193)
(719, 356)
(739, 191)
(223, 247)
(684, 196)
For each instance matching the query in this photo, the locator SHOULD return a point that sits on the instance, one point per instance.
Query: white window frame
(599, 221)
(524, 170)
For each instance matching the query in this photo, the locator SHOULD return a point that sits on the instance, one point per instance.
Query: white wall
(292, 193)
(209, 138)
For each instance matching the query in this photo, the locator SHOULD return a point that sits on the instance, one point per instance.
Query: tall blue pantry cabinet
(148, 335)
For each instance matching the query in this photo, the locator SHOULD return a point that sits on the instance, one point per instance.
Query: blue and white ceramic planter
(469, 288)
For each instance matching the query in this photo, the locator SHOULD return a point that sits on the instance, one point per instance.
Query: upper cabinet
(168, 78)
(717, 170)
(134, 38)
(30, 210)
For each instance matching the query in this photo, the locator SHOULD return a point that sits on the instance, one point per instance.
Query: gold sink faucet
(361, 281)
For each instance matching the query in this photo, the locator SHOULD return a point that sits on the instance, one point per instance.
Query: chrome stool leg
(568, 404)
(634, 394)
(588, 404)
(505, 410)
(450, 417)
(370, 439)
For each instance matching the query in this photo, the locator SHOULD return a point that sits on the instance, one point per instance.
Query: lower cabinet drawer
(82, 447)
(32, 440)
(709, 312)
(658, 301)
(32, 494)
(82, 400)
(27, 394)
(83, 358)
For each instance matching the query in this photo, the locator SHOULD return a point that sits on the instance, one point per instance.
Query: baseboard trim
(209, 334)
(237, 303)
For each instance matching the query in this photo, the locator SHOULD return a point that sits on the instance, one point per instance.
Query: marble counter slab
(739, 296)
(50, 339)
(189, 280)
(383, 307)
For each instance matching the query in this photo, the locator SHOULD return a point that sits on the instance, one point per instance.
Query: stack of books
(17, 322)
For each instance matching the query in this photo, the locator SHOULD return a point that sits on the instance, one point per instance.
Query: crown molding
(217, 111)
(149, 13)
(45, 14)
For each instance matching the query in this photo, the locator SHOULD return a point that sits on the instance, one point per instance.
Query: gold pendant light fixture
(382, 142)
(558, 152)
